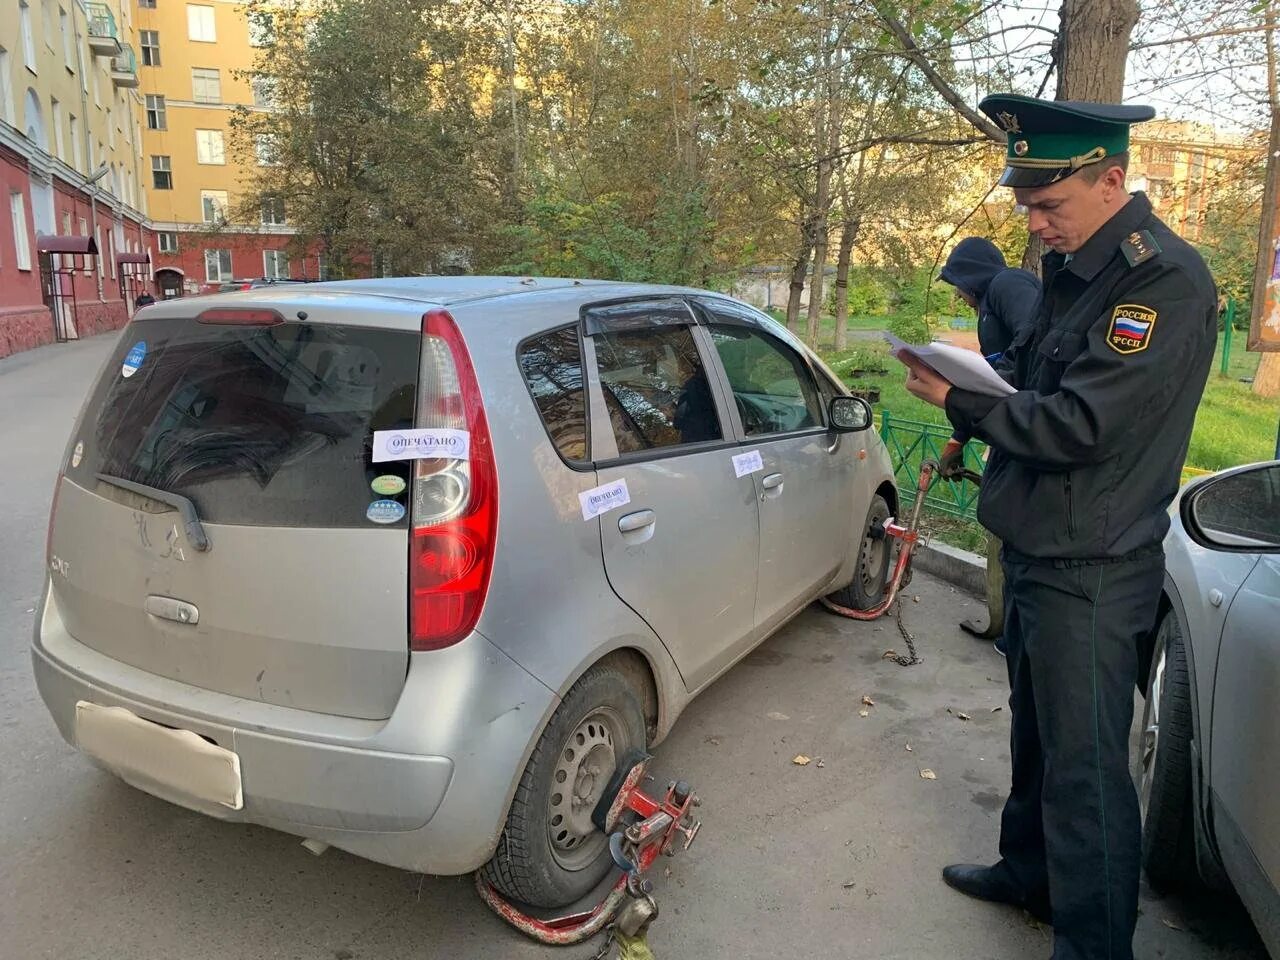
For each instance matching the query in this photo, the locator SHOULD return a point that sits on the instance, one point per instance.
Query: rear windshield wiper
(195, 530)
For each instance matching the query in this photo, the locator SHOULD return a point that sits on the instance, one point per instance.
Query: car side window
(552, 367)
(655, 388)
(772, 386)
(1243, 509)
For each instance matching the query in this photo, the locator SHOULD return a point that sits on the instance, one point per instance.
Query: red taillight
(455, 502)
(244, 318)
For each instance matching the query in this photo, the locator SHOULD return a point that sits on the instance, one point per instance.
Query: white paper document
(961, 368)
(423, 443)
(745, 463)
(602, 499)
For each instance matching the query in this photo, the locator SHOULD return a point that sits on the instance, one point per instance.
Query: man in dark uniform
(1086, 457)
(1005, 299)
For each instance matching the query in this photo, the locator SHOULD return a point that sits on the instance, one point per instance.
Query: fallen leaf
(1171, 925)
(714, 741)
(775, 715)
(821, 763)
(996, 709)
(849, 885)
(888, 654)
(868, 701)
(927, 774)
(949, 710)
(864, 713)
(963, 716)
(915, 599)
(800, 760)
(908, 748)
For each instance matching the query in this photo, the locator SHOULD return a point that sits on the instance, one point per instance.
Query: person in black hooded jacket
(1005, 300)
(1004, 297)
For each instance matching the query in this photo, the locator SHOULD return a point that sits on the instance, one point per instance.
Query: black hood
(972, 266)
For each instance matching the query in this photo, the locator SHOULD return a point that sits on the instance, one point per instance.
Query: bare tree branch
(1192, 38)
(912, 52)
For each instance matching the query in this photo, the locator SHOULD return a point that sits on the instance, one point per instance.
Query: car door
(679, 530)
(1240, 512)
(807, 472)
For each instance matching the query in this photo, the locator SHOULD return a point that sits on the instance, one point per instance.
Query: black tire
(1162, 766)
(549, 854)
(867, 588)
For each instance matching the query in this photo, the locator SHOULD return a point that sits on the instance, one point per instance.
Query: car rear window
(257, 425)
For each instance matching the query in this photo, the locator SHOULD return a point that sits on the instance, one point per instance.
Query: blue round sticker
(385, 511)
(133, 359)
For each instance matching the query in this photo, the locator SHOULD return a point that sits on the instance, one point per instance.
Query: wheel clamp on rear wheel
(640, 829)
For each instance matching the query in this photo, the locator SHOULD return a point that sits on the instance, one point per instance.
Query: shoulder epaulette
(1139, 247)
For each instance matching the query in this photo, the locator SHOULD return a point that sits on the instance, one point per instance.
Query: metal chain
(606, 946)
(914, 658)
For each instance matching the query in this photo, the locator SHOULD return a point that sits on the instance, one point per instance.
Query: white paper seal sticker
(77, 454)
(745, 463)
(421, 444)
(602, 499)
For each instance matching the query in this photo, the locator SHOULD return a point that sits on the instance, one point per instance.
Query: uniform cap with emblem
(1052, 139)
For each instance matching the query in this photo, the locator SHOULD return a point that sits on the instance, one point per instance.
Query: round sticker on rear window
(389, 485)
(385, 511)
(133, 359)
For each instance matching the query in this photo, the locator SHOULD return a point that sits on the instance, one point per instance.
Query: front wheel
(872, 573)
(550, 852)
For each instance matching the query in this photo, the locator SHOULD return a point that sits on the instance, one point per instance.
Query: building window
(6, 90)
(66, 223)
(262, 29)
(46, 21)
(55, 117)
(156, 119)
(73, 125)
(213, 206)
(168, 241)
(264, 148)
(206, 85)
(217, 265)
(147, 4)
(111, 131)
(210, 147)
(150, 43)
(264, 91)
(161, 173)
(68, 54)
(272, 211)
(21, 242)
(200, 24)
(275, 263)
(28, 38)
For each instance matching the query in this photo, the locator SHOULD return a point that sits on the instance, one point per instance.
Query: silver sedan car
(405, 566)
(1209, 757)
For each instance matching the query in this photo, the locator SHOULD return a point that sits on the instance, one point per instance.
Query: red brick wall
(22, 328)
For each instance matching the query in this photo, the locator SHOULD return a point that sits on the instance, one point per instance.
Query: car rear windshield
(257, 425)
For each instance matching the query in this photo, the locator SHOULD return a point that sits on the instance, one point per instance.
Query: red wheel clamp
(640, 829)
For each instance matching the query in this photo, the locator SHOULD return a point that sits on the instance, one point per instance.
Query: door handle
(1216, 597)
(637, 521)
(771, 481)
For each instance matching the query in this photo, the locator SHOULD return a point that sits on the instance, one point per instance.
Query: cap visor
(1029, 177)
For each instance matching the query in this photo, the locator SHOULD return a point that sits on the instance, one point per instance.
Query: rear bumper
(426, 789)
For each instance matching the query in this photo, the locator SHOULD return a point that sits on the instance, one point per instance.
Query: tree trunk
(798, 271)
(826, 131)
(848, 237)
(1090, 51)
(1266, 382)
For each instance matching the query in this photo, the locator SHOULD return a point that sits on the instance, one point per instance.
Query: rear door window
(257, 425)
(552, 367)
(655, 388)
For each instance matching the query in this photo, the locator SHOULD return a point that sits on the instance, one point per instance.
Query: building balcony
(124, 68)
(104, 39)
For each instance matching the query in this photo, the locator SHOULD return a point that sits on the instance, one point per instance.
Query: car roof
(463, 289)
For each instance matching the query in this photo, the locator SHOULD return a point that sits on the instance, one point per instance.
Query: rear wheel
(867, 588)
(1163, 764)
(550, 853)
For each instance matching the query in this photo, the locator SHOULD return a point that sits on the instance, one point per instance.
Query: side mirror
(849, 414)
(1236, 512)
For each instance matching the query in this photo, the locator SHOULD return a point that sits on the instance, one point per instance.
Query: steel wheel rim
(1150, 739)
(872, 554)
(584, 765)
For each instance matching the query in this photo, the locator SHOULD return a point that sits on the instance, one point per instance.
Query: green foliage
(912, 328)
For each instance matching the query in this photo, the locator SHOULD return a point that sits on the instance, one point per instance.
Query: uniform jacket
(1007, 297)
(1087, 454)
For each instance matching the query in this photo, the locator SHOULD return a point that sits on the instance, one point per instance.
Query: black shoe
(981, 632)
(996, 885)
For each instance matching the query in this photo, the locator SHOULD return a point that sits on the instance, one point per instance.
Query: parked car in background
(405, 566)
(1207, 772)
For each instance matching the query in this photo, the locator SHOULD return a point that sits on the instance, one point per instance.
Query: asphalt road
(837, 859)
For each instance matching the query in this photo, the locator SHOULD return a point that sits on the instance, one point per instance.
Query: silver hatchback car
(402, 566)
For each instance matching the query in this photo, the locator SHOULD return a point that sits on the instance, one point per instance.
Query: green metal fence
(911, 441)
